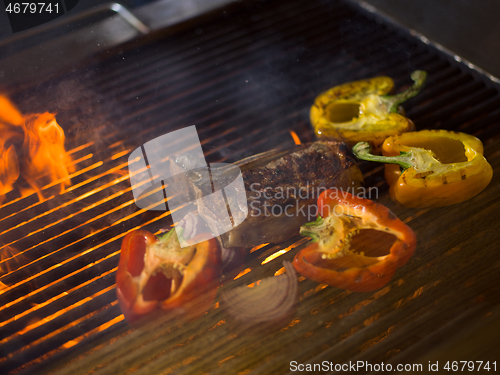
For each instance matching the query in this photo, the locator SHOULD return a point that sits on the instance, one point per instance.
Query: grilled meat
(281, 191)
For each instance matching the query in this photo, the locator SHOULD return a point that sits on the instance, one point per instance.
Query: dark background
(470, 29)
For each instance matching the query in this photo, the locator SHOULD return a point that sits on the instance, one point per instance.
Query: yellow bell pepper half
(431, 168)
(362, 111)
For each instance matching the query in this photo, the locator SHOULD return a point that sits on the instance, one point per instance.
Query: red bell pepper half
(156, 273)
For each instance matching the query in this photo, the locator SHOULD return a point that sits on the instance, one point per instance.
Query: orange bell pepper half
(334, 257)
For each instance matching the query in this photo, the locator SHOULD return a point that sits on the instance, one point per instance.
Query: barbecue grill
(245, 74)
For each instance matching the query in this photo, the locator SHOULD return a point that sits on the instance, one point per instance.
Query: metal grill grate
(245, 77)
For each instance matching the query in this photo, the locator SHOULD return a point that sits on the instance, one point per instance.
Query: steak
(281, 189)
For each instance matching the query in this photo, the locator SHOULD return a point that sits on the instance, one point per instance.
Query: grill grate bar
(236, 126)
(29, 197)
(79, 199)
(75, 330)
(223, 43)
(36, 333)
(198, 82)
(55, 278)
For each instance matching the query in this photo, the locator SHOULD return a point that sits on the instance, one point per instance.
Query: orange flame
(9, 113)
(47, 160)
(31, 147)
(10, 134)
(9, 168)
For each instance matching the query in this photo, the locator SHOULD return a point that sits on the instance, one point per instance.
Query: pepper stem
(312, 228)
(166, 236)
(393, 101)
(362, 150)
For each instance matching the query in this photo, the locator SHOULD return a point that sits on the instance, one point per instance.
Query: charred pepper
(362, 111)
(431, 168)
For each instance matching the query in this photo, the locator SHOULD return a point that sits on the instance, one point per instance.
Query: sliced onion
(192, 225)
(273, 300)
(189, 223)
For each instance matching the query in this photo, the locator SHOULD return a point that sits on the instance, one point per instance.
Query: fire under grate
(245, 77)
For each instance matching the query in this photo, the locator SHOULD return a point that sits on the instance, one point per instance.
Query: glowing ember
(31, 148)
(284, 251)
(274, 256)
(244, 272)
(295, 137)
